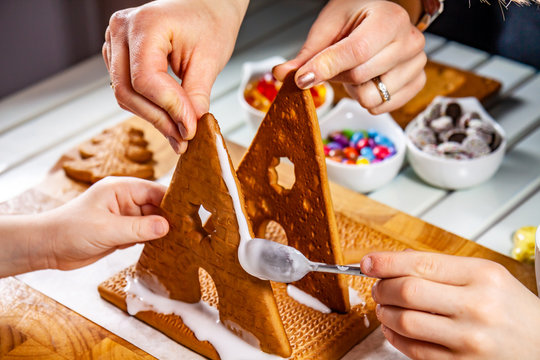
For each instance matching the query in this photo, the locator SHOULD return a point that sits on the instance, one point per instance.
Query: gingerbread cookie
(118, 151)
(209, 242)
(290, 130)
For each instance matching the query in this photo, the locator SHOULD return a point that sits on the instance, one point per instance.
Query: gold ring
(385, 95)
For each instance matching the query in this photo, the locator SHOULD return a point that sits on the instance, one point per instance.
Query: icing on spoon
(270, 260)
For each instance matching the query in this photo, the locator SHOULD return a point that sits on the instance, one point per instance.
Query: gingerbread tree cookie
(118, 151)
(290, 130)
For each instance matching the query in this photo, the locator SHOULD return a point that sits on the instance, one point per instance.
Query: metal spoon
(281, 263)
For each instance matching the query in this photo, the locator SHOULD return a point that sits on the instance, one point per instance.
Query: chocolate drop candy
(454, 135)
(454, 111)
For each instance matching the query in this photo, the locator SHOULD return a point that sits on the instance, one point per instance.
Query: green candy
(325, 141)
(348, 133)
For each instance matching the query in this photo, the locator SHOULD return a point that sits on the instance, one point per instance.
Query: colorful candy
(359, 147)
(449, 131)
(524, 244)
(260, 92)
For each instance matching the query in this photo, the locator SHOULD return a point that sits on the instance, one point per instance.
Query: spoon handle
(337, 269)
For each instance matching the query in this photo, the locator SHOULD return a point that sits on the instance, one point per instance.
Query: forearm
(23, 246)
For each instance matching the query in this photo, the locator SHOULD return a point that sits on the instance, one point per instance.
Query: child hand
(435, 306)
(112, 214)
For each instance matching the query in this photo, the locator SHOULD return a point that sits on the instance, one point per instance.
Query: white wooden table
(40, 123)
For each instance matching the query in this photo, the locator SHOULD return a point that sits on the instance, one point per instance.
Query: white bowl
(348, 114)
(451, 173)
(255, 69)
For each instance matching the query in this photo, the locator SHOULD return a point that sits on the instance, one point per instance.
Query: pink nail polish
(182, 129)
(174, 144)
(367, 264)
(306, 80)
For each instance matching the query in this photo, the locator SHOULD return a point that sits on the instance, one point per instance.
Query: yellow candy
(362, 161)
(523, 249)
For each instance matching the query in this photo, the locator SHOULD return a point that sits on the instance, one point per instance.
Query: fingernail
(174, 144)
(373, 290)
(367, 264)
(182, 130)
(159, 229)
(182, 147)
(378, 310)
(306, 80)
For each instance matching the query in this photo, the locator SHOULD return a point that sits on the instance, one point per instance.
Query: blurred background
(39, 38)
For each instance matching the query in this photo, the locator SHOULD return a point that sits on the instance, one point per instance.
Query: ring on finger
(385, 95)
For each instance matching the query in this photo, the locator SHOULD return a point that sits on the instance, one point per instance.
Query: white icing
(306, 299)
(204, 215)
(366, 321)
(243, 228)
(355, 298)
(201, 318)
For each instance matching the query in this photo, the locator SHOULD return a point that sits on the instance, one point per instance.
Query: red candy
(381, 152)
(326, 150)
(362, 143)
(267, 87)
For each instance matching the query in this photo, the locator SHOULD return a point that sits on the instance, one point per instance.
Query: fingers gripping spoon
(282, 263)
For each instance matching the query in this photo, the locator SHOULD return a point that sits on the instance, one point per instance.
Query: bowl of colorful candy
(363, 151)
(259, 88)
(455, 143)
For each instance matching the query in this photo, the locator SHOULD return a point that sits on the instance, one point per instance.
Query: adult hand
(196, 38)
(435, 306)
(355, 41)
(112, 214)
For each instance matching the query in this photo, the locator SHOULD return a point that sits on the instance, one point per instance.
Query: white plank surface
(459, 55)
(408, 193)
(509, 73)
(519, 113)
(56, 126)
(499, 237)
(470, 212)
(241, 135)
(52, 92)
(433, 42)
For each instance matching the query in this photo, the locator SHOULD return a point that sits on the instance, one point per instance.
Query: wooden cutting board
(34, 325)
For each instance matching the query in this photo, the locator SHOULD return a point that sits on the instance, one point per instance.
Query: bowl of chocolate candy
(455, 144)
(363, 152)
(259, 88)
